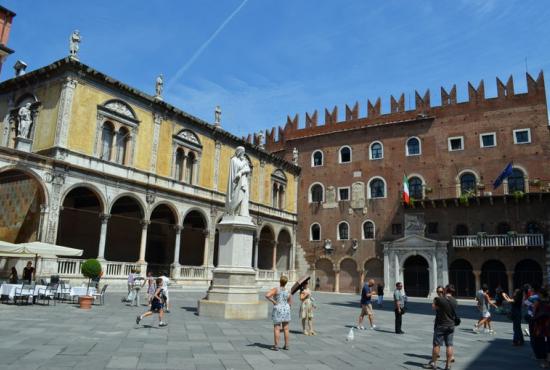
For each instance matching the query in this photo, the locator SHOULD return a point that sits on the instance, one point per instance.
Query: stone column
(195, 172)
(361, 278)
(176, 263)
(261, 182)
(445, 270)
(216, 167)
(206, 247)
(337, 281)
(274, 266)
(387, 281)
(433, 273)
(64, 111)
(477, 276)
(157, 119)
(396, 264)
(42, 223)
(103, 235)
(256, 245)
(510, 275)
(143, 243)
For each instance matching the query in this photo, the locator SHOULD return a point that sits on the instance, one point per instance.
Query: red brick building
(6, 18)
(351, 212)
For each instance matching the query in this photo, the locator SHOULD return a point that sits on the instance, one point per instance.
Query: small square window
(488, 140)
(396, 229)
(343, 193)
(456, 143)
(522, 136)
(433, 228)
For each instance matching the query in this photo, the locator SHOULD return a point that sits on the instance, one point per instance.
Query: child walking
(306, 309)
(157, 304)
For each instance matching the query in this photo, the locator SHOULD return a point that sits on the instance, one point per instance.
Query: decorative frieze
(64, 114)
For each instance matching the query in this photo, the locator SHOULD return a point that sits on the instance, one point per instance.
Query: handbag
(456, 319)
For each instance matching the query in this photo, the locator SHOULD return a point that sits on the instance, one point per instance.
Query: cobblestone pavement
(63, 336)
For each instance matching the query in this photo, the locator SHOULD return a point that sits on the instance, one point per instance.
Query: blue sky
(270, 59)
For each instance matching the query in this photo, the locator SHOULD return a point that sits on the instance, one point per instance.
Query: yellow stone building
(89, 162)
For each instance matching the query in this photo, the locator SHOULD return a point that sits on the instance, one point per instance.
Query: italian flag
(406, 196)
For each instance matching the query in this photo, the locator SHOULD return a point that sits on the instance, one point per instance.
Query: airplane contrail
(199, 51)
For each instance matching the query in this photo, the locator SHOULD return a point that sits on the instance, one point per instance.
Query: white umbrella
(46, 249)
(8, 249)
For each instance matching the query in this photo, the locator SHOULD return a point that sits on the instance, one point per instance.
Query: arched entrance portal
(192, 239)
(527, 272)
(461, 275)
(79, 221)
(124, 231)
(324, 276)
(349, 276)
(374, 269)
(20, 198)
(416, 277)
(265, 249)
(283, 251)
(161, 237)
(493, 273)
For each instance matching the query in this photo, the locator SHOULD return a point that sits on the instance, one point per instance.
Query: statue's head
(239, 152)
(28, 104)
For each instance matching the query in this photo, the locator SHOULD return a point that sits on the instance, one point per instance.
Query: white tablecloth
(9, 289)
(80, 291)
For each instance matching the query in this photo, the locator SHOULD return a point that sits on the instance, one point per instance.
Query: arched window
(516, 181)
(377, 188)
(503, 228)
(189, 164)
(467, 183)
(107, 134)
(532, 228)
(316, 193)
(275, 195)
(413, 146)
(122, 138)
(180, 156)
(343, 231)
(461, 229)
(376, 150)
(317, 158)
(315, 232)
(345, 154)
(415, 188)
(368, 230)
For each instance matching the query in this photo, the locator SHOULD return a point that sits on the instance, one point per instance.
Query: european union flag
(506, 173)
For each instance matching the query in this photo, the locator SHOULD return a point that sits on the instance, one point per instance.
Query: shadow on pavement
(260, 345)
(189, 309)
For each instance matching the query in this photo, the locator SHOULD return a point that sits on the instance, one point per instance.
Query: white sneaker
(162, 323)
(526, 331)
(360, 328)
(475, 329)
(491, 332)
(373, 327)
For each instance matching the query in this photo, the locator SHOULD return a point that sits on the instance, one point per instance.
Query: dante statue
(74, 44)
(218, 115)
(236, 201)
(25, 121)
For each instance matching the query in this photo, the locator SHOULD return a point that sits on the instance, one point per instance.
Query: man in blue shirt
(366, 305)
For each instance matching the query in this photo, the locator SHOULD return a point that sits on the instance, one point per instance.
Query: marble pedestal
(23, 144)
(234, 294)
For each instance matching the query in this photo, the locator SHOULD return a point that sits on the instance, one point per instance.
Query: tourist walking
(380, 291)
(157, 304)
(165, 283)
(306, 309)
(399, 307)
(366, 305)
(516, 301)
(540, 326)
(445, 313)
(483, 305)
(151, 287)
(281, 299)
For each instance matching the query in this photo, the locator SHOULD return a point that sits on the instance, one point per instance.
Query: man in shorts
(483, 305)
(157, 305)
(445, 310)
(366, 305)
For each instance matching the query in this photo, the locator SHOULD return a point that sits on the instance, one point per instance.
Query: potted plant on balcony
(91, 269)
(518, 194)
(464, 198)
(535, 182)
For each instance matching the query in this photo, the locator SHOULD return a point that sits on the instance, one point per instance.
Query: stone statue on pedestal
(25, 121)
(159, 86)
(236, 201)
(218, 116)
(74, 44)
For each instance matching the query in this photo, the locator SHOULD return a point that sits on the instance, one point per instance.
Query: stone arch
(135, 197)
(416, 276)
(22, 193)
(79, 224)
(168, 204)
(124, 229)
(284, 248)
(203, 213)
(161, 237)
(324, 275)
(349, 276)
(91, 187)
(193, 238)
(266, 243)
(121, 107)
(527, 271)
(493, 273)
(374, 269)
(461, 275)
